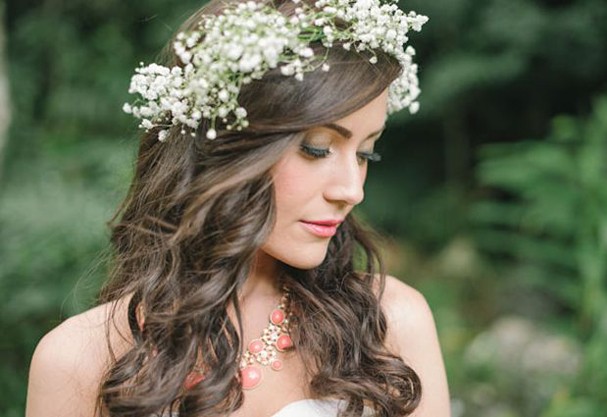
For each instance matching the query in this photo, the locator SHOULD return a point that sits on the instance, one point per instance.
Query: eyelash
(318, 153)
(370, 156)
(315, 152)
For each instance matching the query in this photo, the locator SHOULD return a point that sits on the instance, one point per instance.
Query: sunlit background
(493, 198)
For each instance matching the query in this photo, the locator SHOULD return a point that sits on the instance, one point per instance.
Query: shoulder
(69, 361)
(412, 336)
(407, 312)
(410, 320)
(405, 307)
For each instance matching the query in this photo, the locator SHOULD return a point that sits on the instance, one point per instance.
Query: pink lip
(322, 228)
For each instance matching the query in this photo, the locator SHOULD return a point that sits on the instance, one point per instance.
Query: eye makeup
(369, 156)
(317, 143)
(314, 152)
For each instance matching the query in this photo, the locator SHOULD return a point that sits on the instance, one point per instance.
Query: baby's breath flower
(414, 107)
(240, 112)
(162, 135)
(211, 134)
(250, 38)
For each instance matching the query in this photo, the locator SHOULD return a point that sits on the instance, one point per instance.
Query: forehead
(368, 119)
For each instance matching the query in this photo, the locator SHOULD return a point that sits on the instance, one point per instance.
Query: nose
(346, 182)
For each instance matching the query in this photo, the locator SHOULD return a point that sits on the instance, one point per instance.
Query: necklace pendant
(264, 350)
(250, 376)
(192, 379)
(256, 346)
(276, 365)
(277, 316)
(284, 342)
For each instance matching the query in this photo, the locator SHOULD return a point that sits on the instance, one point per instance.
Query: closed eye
(314, 152)
(369, 156)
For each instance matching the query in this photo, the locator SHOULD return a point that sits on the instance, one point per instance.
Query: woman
(258, 135)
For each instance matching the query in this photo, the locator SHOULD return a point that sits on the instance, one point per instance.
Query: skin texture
(68, 363)
(311, 189)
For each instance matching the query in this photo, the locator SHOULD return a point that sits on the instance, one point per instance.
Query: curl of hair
(185, 238)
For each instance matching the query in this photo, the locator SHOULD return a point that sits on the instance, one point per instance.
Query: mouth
(321, 228)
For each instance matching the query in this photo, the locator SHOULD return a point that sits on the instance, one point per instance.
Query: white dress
(308, 408)
(315, 408)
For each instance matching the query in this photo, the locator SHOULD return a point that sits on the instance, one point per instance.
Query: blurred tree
(5, 107)
(490, 71)
(553, 216)
(548, 224)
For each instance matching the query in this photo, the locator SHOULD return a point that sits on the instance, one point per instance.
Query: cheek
(297, 192)
(286, 188)
(295, 183)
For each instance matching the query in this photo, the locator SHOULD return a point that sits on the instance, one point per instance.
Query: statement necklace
(260, 352)
(264, 350)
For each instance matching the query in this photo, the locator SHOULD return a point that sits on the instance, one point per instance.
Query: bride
(242, 283)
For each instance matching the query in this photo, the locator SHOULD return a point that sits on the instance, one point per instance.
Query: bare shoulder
(405, 307)
(70, 360)
(412, 335)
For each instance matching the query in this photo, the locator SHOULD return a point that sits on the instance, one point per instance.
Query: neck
(263, 281)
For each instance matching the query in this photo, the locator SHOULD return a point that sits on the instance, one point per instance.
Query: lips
(322, 228)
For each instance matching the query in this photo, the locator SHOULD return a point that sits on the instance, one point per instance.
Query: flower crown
(250, 38)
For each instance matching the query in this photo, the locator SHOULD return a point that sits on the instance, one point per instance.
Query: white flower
(234, 52)
(306, 53)
(248, 63)
(162, 135)
(224, 95)
(248, 39)
(287, 70)
(414, 107)
(223, 111)
(240, 112)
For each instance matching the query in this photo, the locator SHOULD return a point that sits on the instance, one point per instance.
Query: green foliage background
(493, 196)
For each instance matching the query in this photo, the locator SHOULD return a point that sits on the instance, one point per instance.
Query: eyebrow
(347, 133)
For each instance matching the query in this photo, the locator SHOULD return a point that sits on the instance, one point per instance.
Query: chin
(304, 264)
(298, 259)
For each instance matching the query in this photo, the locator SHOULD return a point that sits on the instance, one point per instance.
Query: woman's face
(319, 181)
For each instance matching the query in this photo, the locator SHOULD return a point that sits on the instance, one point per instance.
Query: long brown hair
(184, 240)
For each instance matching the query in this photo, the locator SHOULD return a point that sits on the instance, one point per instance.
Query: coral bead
(250, 377)
(192, 379)
(276, 365)
(284, 342)
(277, 317)
(255, 346)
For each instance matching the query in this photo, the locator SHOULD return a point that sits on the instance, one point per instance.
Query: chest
(276, 390)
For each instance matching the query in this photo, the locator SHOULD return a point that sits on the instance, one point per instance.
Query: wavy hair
(185, 238)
